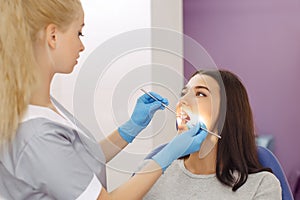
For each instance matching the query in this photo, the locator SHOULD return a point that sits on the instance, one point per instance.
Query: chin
(181, 128)
(67, 70)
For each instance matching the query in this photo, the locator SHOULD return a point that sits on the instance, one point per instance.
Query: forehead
(79, 19)
(204, 80)
(81, 13)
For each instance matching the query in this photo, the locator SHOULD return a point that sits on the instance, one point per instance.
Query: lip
(182, 119)
(184, 116)
(77, 60)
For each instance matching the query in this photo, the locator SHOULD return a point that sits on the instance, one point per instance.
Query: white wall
(103, 20)
(106, 24)
(167, 15)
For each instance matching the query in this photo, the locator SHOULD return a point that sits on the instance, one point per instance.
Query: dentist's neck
(41, 95)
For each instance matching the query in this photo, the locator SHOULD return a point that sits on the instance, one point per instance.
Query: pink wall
(260, 41)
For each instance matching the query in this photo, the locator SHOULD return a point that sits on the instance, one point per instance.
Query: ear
(52, 35)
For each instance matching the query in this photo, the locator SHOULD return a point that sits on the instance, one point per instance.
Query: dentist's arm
(143, 112)
(183, 144)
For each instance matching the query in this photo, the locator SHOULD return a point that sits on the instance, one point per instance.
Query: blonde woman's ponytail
(17, 67)
(21, 22)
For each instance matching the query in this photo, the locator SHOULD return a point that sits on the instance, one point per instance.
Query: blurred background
(259, 40)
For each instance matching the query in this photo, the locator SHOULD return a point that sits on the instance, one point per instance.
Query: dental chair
(267, 159)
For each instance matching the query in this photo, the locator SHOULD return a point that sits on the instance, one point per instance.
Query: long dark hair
(237, 151)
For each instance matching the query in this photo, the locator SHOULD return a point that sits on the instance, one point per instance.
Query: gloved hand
(142, 114)
(182, 145)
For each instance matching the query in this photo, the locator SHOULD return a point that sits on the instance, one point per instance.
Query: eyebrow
(197, 87)
(82, 25)
(202, 87)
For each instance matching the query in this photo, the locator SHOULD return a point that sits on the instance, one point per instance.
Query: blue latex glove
(142, 114)
(184, 144)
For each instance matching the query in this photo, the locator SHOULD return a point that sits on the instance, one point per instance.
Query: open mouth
(184, 116)
(182, 119)
(187, 119)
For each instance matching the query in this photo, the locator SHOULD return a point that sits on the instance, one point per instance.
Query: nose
(183, 101)
(81, 46)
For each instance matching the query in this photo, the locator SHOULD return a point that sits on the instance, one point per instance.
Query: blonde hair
(20, 22)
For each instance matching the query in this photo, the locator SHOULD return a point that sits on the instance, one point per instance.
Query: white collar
(34, 111)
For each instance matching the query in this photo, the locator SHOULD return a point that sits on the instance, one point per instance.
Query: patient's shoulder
(260, 180)
(264, 177)
(268, 186)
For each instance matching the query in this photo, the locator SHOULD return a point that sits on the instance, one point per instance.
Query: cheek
(204, 110)
(211, 111)
(70, 44)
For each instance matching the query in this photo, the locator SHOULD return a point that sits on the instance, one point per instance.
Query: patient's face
(200, 100)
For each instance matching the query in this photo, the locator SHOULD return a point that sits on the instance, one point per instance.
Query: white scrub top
(50, 158)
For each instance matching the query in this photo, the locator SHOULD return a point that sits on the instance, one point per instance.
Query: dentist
(43, 154)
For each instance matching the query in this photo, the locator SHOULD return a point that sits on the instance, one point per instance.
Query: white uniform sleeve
(51, 165)
(92, 190)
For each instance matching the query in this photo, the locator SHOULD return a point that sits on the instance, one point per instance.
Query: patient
(225, 168)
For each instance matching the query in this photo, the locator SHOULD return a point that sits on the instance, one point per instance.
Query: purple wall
(260, 41)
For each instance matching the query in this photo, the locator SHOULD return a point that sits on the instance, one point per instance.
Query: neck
(45, 63)
(41, 95)
(206, 165)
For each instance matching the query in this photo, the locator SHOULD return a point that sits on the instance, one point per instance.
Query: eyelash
(198, 93)
(80, 34)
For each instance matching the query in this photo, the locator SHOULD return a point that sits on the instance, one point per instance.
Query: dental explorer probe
(218, 136)
(153, 97)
